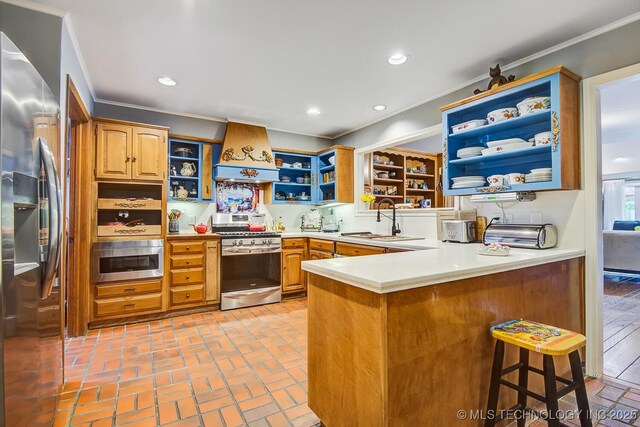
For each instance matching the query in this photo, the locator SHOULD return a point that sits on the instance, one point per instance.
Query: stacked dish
(501, 114)
(538, 175)
(463, 153)
(503, 145)
(468, 181)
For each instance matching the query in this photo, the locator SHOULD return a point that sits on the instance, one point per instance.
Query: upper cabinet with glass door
(523, 136)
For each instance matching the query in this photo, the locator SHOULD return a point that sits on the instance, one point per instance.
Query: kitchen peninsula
(402, 339)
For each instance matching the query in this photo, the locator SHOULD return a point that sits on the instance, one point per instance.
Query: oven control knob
(265, 242)
(253, 242)
(239, 242)
(270, 241)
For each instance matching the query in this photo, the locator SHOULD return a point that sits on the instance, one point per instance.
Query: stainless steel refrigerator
(31, 345)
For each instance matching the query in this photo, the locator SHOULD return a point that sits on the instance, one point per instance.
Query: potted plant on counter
(367, 198)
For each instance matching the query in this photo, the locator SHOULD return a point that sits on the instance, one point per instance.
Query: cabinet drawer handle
(188, 262)
(187, 248)
(129, 289)
(186, 277)
(188, 295)
(129, 305)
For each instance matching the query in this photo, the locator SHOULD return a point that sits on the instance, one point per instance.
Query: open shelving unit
(394, 172)
(561, 119)
(202, 156)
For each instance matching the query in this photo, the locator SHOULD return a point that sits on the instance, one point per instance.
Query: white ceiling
(267, 62)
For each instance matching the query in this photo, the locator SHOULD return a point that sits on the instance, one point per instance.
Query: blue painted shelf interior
(326, 177)
(317, 175)
(193, 184)
(523, 127)
(294, 191)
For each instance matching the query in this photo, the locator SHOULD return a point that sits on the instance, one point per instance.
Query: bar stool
(549, 341)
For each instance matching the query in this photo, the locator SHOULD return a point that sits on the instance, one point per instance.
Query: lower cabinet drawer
(293, 243)
(187, 295)
(125, 289)
(320, 255)
(187, 276)
(186, 261)
(349, 249)
(124, 305)
(321, 245)
(190, 247)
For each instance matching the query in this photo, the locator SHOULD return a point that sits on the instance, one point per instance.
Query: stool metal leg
(494, 386)
(523, 381)
(550, 391)
(581, 391)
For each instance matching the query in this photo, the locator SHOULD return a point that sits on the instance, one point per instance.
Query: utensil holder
(174, 226)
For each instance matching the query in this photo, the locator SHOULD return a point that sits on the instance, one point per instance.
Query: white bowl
(332, 160)
(543, 138)
(508, 147)
(533, 105)
(501, 114)
(471, 124)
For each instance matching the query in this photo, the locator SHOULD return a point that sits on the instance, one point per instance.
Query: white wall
(564, 209)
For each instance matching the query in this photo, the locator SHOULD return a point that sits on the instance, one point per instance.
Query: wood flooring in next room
(245, 367)
(622, 327)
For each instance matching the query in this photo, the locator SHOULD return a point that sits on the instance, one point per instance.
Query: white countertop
(429, 262)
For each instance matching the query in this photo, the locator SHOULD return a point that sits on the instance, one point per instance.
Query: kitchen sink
(381, 237)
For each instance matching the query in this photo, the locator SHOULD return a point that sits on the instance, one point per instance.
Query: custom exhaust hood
(246, 155)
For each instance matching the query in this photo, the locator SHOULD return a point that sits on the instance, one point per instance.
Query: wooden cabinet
(148, 154)
(293, 277)
(194, 272)
(122, 299)
(352, 249)
(321, 245)
(315, 255)
(113, 145)
(127, 151)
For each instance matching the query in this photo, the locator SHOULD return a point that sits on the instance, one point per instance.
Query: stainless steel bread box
(529, 236)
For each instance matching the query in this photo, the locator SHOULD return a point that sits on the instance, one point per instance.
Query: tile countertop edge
(421, 280)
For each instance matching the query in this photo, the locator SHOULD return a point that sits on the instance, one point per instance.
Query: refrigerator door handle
(55, 217)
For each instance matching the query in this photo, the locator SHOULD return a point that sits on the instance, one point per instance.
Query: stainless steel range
(250, 262)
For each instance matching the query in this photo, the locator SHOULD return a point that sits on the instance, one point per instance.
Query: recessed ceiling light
(621, 159)
(313, 111)
(397, 59)
(167, 81)
(379, 107)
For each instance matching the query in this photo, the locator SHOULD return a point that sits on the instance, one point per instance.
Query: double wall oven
(250, 263)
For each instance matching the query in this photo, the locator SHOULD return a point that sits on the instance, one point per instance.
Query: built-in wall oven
(127, 260)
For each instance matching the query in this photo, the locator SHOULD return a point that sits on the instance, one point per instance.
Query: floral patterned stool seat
(549, 341)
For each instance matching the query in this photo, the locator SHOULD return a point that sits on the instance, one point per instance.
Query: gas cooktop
(236, 234)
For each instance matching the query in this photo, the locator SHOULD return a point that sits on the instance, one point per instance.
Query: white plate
(503, 148)
(468, 178)
(468, 185)
(470, 155)
(469, 150)
(536, 180)
(541, 170)
(505, 142)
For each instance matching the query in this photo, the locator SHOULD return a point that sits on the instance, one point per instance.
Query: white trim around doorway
(592, 149)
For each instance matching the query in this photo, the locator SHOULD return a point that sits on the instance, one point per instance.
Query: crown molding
(26, 4)
(66, 21)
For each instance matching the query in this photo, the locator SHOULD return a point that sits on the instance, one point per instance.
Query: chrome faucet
(395, 228)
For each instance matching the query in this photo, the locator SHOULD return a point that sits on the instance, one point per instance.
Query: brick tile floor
(242, 367)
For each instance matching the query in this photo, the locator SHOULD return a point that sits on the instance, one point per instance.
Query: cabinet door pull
(129, 305)
(129, 289)
(187, 248)
(188, 295)
(127, 159)
(187, 277)
(134, 159)
(188, 262)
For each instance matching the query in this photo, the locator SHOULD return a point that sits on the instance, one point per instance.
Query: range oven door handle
(55, 217)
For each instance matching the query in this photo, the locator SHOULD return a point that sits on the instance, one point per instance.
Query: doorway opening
(610, 332)
(78, 194)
